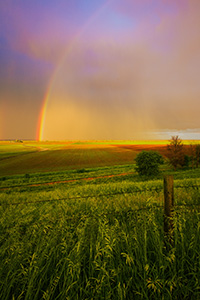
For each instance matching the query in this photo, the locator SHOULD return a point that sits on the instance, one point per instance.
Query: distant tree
(147, 163)
(176, 153)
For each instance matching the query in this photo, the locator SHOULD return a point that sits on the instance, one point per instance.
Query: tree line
(148, 162)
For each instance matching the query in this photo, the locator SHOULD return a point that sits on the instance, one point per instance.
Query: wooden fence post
(168, 209)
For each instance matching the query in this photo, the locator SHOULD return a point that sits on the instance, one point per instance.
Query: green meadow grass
(100, 238)
(98, 243)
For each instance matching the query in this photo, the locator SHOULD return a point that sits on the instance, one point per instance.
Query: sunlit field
(28, 157)
(77, 222)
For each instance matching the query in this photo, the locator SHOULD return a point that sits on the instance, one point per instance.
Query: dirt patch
(85, 179)
(67, 181)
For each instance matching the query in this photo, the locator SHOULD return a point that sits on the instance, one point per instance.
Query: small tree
(176, 152)
(147, 163)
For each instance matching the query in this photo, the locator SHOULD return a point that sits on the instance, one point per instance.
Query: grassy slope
(97, 247)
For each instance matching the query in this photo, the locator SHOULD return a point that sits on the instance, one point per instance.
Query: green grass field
(77, 222)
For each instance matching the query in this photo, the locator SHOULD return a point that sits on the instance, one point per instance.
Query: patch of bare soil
(67, 181)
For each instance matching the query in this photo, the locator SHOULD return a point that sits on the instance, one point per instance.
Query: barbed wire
(90, 196)
(186, 205)
(32, 185)
(155, 189)
(130, 210)
(82, 197)
(113, 213)
(186, 185)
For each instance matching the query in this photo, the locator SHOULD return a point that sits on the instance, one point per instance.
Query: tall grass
(100, 247)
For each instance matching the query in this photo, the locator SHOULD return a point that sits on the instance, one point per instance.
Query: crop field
(29, 157)
(43, 157)
(77, 222)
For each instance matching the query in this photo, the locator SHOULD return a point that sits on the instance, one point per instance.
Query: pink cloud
(40, 34)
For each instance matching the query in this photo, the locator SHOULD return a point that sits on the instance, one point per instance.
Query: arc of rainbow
(42, 114)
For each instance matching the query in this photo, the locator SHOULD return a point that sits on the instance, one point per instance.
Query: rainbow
(42, 114)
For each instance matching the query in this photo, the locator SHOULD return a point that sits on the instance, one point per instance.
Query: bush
(147, 163)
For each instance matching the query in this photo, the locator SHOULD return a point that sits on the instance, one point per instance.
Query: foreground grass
(101, 241)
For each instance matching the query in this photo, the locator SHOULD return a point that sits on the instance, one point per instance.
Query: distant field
(31, 156)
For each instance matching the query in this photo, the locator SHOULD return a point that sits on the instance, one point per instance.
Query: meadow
(77, 222)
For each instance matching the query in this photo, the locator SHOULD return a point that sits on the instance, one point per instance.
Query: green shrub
(147, 163)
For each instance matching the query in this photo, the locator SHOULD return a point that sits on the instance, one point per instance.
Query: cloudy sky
(96, 69)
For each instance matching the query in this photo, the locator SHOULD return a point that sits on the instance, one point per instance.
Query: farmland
(77, 222)
(43, 157)
(32, 157)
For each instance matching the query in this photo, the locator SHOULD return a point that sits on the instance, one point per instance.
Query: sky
(99, 69)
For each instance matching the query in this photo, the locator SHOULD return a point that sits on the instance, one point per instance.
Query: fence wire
(84, 197)
(123, 193)
(81, 218)
(130, 210)
(38, 184)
